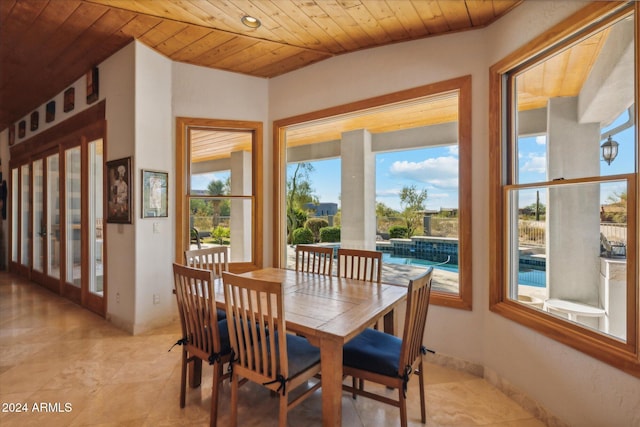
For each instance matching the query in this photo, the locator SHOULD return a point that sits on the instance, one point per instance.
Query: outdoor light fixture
(609, 150)
(250, 21)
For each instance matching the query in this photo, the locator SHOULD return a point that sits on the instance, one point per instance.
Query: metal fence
(532, 233)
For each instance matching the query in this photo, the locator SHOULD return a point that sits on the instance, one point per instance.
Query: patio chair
(203, 336)
(262, 350)
(388, 360)
(215, 258)
(314, 259)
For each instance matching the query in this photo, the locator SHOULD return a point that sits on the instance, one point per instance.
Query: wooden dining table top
(329, 306)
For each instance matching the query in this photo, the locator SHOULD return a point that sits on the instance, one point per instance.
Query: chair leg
(423, 411)
(403, 408)
(183, 379)
(284, 408)
(353, 383)
(217, 375)
(233, 420)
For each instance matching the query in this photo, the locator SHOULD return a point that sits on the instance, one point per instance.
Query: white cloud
(535, 163)
(454, 150)
(440, 172)
(541, 139)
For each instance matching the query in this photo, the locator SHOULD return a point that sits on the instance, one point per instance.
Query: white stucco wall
(574, 387)
(117, 87)
(154, 237)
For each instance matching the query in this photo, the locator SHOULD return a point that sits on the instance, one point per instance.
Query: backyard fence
(532, 233)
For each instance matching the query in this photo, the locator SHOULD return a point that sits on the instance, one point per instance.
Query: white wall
(117, 87)
(577, 389)
(155, 303)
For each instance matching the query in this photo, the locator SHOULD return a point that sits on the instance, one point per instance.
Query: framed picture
(92, 85)
(119, 191)
(12, 134)
(155, 192)
(35, 121)
(22, 128)
(50, 112)
(69, 99)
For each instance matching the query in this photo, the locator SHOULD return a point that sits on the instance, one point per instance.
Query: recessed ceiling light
(250, 21)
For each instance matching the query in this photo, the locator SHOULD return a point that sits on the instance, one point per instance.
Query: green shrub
(302, 236)
(330, 234)
(398, 232)
(220, 233)
(315, 224)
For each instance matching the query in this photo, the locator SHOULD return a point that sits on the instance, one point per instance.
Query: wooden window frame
(462, 85)
(622, 355)
(182, 177)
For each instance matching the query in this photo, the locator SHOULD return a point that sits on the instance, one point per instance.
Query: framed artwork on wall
(69, 99)
(119, 191)
(22, 128)
(35, 119)
(50, 112)
(155, 194)
(12, 134)
(92, 85)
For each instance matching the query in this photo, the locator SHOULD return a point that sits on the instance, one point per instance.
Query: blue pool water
(529, 277)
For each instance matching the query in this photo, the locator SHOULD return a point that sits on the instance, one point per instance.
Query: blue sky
(532, 161)
(432, 169)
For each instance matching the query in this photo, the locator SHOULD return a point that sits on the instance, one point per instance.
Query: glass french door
(57, 236)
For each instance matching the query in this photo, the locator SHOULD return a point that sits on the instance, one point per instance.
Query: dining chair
(388, 360)
(204, 337)
(262, 351)
(214, 258)
(314, 259)
(360, 264)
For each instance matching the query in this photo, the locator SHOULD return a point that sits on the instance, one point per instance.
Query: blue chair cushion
(300, 353)
(222, 314)
(374, 351)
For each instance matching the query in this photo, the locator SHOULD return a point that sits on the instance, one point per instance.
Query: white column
(358, 195)
(573, 214)
(240, 209)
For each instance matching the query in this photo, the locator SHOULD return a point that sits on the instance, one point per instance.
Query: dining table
(329, 311)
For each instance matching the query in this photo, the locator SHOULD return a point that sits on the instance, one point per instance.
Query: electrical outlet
(118, 297)
(156, 299)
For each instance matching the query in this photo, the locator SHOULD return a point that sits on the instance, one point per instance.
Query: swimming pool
(526, 276)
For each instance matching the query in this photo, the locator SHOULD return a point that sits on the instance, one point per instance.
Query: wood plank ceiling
(46, 45)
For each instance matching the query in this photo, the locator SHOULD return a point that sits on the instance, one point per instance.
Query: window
(218, 202)
(391, 174)
(564, 185)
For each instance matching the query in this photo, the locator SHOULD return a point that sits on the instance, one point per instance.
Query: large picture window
(564, 185)
(390, 174)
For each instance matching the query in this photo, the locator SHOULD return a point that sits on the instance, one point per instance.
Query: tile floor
(87, 372)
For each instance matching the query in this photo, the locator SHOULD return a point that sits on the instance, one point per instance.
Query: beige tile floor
(56, 353)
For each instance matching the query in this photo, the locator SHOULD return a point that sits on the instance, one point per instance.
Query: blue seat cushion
(374, 351)
(222, 314)
(300, 353)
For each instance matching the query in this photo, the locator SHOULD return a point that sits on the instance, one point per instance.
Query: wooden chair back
(314, 259)
(418, 296)
(215, 258)
(256, 307)
(360, 264)
(200, 331)
(196, 306)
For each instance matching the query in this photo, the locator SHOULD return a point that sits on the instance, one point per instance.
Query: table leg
(388, 323)
(331, 371)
